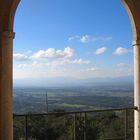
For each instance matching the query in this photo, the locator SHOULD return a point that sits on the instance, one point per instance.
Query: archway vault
(133, 9)
(7, 12)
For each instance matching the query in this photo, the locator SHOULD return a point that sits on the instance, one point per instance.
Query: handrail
(74, 112)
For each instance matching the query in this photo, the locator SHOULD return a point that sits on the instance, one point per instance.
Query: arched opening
(6, 42)
(116, 51)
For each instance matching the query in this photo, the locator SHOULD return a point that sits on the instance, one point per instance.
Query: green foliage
(61, 127)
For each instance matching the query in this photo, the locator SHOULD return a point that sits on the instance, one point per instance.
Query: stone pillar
(6, 109)
(136, 45)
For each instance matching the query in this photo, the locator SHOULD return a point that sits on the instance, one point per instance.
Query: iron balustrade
(79, 122)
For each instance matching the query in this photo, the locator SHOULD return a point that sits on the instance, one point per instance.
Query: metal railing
(79, 122)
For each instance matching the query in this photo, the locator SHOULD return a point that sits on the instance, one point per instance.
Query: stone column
(136, 45)
(6, 109)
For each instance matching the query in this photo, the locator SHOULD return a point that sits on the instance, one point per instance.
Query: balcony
(106, 124)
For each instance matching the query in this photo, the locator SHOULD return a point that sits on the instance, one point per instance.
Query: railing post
(85, 121)
(74, 134)
(126, 121)
(26, 127)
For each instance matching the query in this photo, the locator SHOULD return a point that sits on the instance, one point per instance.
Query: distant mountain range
(68, 81)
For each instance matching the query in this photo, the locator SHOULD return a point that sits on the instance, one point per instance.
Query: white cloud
(85, 39)
(80, 61)
(20, 57)
(52, 53)
(100, 51)
(89, 38)
(49, 68)
(73, 37)
(67, 61)
(121, 51)
(52, 63)
(58, 68)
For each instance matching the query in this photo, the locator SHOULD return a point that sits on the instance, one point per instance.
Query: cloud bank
(100, 50)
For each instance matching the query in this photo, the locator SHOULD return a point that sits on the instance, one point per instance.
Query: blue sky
(72, 38)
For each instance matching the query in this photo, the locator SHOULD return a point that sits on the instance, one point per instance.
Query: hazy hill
(68, 81)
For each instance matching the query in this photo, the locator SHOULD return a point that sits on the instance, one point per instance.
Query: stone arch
(12, 14)
(133, 10)
(7, 12)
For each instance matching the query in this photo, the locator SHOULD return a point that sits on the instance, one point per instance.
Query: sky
(72, 38)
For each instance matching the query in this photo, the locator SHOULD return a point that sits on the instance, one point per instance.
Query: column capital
(8, 34)
(136, 42)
